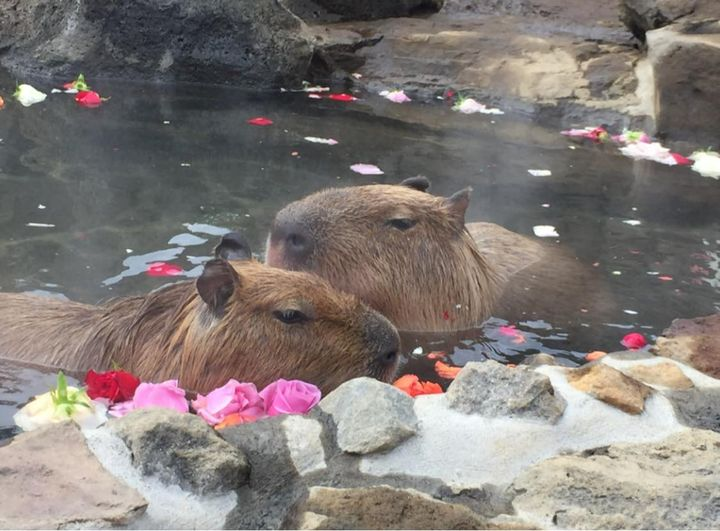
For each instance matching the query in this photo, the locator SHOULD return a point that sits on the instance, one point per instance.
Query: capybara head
(259, 323)
(400, 249)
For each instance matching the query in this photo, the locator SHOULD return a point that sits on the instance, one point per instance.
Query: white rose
(28, 95)
(707, 163)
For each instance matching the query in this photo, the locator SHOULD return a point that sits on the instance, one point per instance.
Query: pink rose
(166, 394)
(233, 397)
(289, 396)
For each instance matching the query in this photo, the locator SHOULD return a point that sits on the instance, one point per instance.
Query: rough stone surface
(181, 449)
(611, 386)
(641, 16)
(695, 342)
(662, 374)
(304, 443)
(536, 360)
(673, 484)
(494, 390)
(367, 10)
(49, 479)
(370, 416)
(685, 59)
(384, 507)
(699, 408)
(252, 43)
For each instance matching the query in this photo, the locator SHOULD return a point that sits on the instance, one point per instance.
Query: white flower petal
(28, 95)
(706, 163)
(545, 231)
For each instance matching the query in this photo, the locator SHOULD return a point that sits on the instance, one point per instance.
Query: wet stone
(494, 390)
(180, 448)
(370, 416)
(611, 386)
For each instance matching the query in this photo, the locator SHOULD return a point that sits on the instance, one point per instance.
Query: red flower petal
(413, 386)
(634, 341)
(683, 161)
(665, 278)
(446, 371)
(88, 98)
(163, 269)
(116, 386)
(341, 97)
(260, 120)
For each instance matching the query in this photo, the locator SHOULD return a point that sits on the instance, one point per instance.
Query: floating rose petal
(260, 120)
(446, 371)
(634, 341)
(315, 88)
(318, 140)
(631, 137)
(314, 96)
(595, 355)
(706, 163)
(28, 95)
(2, 103)
(665, 278)
(470, 106)
(163, 269)
(413, 386)
(396, 96)
(540, 173)
(595, 134)
(633, 222)
(436, 355)
(88, 98)
(649, 151)
(545, 231)
(682, 161)
(366, 169)
(511, 331)
(341, 97)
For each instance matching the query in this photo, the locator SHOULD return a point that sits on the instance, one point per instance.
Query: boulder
(180, 448)
(304, 443)
(672, 484)
(494, 390)
(611, 386)
(664, 374)
(685, 63)
(50, 479)
(699, 408)
(640, 16)
(695, 342)
(370, 416)
(381, 507)
(250, 43)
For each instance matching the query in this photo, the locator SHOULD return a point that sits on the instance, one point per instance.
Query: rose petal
(260, 120)
(634, 341)
(163, 269)
(366, 169)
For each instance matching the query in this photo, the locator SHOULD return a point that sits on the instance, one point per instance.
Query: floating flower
(634, 341)
(596, 134)
(470, 106)
(706, 163)
(232, 398)
(545, 231)
(314, 96)
(64, 403)
(163, 269)
(595, 355)
(632, 137)
(446, 371)
(289, 397)
(2, 103)
(396, 96)
(260, 120)
(540, 173)
(511, 331)
(341, 97)
(28, 95)
(366, 169)
(413, 386)
(649, 151)
(318, 140)
(77, 85)
(165, 395)
(115, 386)
(88, 98)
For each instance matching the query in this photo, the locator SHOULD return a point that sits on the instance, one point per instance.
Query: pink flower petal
(366, 169)
(341, 97)
(289, 397)
(163, 269)
(634, 341)
(260, 120)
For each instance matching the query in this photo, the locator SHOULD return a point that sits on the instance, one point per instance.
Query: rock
(695, 342)
(536, 360)
(303, 440)
(670, 484)
(372, 9)
(641, 16)
(382, 507)
(370, 416)
(664, 374)
(494, 390)
(181, 449)
(685, 63)
(699, 408)
(611, 386)
(49, 479)
(250, 43)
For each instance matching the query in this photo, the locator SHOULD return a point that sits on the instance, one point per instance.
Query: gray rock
(381, 507)
(304, 442)
(49, 479)
(699, 408)
(370, 416)
(251, 43)
(641, 16)
(373, 9)
(181, 449)
(539, 359)
(492, 389)
(672, 484)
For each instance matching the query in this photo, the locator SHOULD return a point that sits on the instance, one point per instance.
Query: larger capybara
(410, 255)
(240, 319)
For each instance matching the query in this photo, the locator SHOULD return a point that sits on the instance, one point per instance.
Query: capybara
(410, 255)
(240, 319)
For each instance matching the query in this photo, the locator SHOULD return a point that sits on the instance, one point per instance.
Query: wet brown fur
(171, 333)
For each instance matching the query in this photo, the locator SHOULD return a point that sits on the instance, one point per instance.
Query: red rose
(116, 386)
(88, 98)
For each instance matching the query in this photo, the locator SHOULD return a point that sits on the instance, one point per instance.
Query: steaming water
(90, 197)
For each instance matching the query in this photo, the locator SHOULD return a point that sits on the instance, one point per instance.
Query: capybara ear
(233, 246)
(216, 285)
(457, 204)
(419, 183)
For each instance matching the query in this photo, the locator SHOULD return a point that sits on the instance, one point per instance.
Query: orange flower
(412, 385)
(2, 102)
(233, 419)
(595, 355)
(444, 370)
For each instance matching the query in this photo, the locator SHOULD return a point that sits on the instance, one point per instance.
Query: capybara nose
(384, 340)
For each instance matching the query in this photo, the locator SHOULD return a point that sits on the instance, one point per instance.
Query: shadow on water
(90, 197)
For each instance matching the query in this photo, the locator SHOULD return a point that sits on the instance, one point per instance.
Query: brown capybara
(410, 255)
(240, 319)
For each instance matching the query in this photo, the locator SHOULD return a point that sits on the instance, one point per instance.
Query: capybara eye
(290, 316)
(402, 223)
